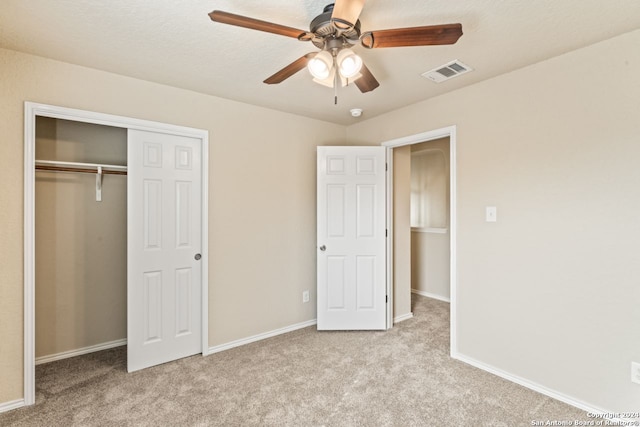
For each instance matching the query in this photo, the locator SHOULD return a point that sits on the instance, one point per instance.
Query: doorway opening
(436, 220)
(429, 205)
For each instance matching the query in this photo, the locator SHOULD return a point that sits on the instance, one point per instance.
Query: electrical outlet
(305, 296)
(635, 372)
(491, 214)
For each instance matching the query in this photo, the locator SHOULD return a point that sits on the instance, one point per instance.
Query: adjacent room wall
(262, 163)
(550, 292)
(81, 244)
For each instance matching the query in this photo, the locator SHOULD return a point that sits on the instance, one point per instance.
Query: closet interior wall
(81, 244)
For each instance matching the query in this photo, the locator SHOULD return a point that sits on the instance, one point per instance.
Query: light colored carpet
(402, 377)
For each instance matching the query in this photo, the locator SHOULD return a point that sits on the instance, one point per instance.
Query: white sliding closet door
(164, 318)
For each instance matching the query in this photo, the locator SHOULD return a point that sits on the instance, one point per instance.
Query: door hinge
(386, 299)
(386, 166)
(386, 233)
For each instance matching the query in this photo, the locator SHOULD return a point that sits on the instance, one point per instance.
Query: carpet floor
(401, 377)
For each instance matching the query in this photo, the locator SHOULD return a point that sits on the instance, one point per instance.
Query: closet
(80, 238)
(115, 238)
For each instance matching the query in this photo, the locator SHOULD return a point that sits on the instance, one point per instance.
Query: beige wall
(81, 244)
(430, 251)
(401, 231)
(550, 292)
(262, 164)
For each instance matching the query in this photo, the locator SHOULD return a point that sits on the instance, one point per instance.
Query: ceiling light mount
(356, 112)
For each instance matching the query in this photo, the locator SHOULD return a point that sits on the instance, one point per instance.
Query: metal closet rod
(55, 166)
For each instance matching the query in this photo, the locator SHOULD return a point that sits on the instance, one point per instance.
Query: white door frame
(33, 110)
(450, 132)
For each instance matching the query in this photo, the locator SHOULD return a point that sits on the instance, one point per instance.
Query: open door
(351, 238)
(164, 288)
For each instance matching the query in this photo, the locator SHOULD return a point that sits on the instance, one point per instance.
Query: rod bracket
(99, 184)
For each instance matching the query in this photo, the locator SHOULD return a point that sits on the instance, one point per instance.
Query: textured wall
(550, 292)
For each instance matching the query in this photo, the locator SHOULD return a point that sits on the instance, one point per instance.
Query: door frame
(449, 131)
(33, 110)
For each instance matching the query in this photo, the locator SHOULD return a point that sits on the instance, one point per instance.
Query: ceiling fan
(334, 32)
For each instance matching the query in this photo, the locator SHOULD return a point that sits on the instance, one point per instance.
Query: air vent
(447, 71)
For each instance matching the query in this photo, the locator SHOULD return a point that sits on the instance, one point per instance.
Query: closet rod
(49, 165)
(67, 169)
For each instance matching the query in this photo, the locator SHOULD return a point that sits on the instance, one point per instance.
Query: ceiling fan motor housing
(323, 28)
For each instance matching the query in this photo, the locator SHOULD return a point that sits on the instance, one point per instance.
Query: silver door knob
(323, 248)
(197, 257)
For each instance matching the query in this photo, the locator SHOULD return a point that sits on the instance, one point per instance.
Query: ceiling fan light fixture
(320, 65)
(349, 64)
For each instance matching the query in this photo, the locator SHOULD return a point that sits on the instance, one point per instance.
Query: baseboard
(10, 406)
(402, 318)
(537, 387)
(80, 351)
(430, 295)
(260, 337)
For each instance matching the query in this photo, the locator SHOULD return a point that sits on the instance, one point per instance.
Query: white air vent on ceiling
(447, 71)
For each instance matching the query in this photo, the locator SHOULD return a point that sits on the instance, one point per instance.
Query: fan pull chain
(335, 81)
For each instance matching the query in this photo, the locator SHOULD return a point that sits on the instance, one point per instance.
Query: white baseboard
(535, 387)
(430, 295)
(10, 406)
(403, 317)
(80, 351)
(259, 337)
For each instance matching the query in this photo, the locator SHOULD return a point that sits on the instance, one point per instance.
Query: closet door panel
(152, 211)
(152, 306)
(164, 231)
(183, 214)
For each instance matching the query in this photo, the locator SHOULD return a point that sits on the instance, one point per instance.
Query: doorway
(182, 159)
(399, 255)
(430, 239)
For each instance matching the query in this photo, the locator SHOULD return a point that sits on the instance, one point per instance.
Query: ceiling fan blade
(414, 36)
(255, 24)
(367, 82)
(346, 13)
(289, 70)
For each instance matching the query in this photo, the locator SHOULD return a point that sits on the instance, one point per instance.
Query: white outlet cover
(491, 214)
(635, 372)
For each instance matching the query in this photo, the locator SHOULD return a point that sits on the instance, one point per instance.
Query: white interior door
(351, 238)
(164, 306)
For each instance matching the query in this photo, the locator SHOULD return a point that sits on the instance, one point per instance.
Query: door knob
(197, 257)
(323, 248)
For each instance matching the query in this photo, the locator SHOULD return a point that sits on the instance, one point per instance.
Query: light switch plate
(491, 214)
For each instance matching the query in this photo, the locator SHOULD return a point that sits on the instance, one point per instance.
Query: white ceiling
(175, 43)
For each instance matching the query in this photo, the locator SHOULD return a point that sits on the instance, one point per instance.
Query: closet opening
(93, 237)
(80, 238)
